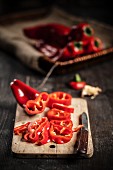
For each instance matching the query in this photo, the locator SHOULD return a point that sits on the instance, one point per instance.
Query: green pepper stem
(77, 78)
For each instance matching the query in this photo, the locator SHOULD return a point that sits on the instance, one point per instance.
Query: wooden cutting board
(21, 148)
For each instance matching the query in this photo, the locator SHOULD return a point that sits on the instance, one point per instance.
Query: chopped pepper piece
(59, 97)
(66, 123)
(38, 105)
(21, 129)
(56, 114)
(61, 131)
(35, 132)
(44, 135)
(63, 107)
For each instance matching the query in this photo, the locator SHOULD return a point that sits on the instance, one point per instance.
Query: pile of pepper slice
(60, 42)
(55, 126)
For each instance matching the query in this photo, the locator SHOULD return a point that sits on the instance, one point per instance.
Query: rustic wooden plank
(20, 147)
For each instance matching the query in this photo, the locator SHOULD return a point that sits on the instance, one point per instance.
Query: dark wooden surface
(100, 109)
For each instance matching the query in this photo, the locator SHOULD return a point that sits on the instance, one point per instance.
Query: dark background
(100, 10)
(100, 109)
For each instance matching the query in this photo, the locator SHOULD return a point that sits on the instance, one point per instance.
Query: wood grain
(19, 147)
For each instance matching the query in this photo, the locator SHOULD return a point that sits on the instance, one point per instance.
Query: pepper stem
(77, 78)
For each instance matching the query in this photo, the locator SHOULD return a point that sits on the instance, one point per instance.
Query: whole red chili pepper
(52, 33)
(38, 105)
(81, 32)
(23, 92)
(94, 45)
(59, 97)
(71, 50)
(63, 107)
(56, 114)
(67, 52)
(77, 85)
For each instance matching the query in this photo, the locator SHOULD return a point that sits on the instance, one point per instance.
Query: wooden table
(100, 109)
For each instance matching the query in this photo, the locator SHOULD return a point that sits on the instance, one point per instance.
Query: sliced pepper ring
(64, 123)
(38, 105)
(59, 97)
(56, 114)
(59, 131)
(63, 107)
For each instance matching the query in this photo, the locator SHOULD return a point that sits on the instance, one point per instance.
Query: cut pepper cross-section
(56, 114)
(59, 97)
(38, 105)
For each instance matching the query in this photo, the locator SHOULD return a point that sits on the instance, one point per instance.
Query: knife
(82, 136)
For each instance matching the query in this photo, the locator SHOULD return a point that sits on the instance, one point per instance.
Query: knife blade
(82, 136)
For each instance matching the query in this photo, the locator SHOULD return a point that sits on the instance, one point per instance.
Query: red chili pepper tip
(22, 92)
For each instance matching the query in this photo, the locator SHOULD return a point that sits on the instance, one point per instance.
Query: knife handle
(82, 141)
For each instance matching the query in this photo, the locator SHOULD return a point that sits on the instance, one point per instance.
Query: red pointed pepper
(52, 33)
(78, 84)
(71, 50)
(81, 32)
(23, 92)
(94, 45)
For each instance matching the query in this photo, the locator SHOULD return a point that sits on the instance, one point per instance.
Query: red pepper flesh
(65, 123)
(59, 132)
(21, 129)
(35, 132)
(44, 135)
(52, 33)
(59, 97)
(81, 32)
(63, 107)
(22, 92)
(38, 105)
(94, 45)
(56, 114)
